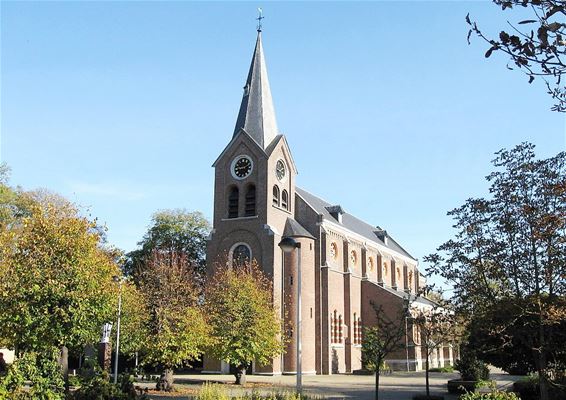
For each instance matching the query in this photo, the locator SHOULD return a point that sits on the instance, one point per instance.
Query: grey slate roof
(294, 229)
(257, 115)
(411, 297)
(350, 222)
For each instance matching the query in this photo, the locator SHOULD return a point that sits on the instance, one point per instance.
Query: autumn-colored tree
(177, 330)
(511, 248)
(382, 338)
(534, 43)
(245, 325)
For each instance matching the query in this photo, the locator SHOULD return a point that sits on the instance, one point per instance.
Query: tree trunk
(377, 373)
(165, 382)
(64, 364)
(426, 374)
(240, 375)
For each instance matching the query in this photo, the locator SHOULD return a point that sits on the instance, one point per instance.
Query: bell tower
(254, 207)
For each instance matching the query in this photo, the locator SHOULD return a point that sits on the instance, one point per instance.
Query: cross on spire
(259, 18)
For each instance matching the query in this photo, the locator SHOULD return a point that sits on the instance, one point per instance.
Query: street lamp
(288, 244)
(119, 281)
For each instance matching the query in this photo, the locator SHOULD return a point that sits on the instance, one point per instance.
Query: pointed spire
(257, 115)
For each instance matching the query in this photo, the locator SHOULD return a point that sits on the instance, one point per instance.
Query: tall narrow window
(285, 200)
(250, 201)
(355, 330)
(276, 195)
(233, 202)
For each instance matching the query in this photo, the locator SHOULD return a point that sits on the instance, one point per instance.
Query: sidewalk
(397, 386)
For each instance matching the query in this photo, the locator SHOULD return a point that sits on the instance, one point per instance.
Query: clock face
(242, 167)
(280, 170)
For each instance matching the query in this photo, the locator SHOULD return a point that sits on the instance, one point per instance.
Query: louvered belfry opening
(250, 201)
(233, 202)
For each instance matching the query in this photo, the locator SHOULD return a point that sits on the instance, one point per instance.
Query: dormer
(336, 211)
(382, 235)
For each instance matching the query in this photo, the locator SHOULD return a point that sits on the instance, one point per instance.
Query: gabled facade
(347, 264)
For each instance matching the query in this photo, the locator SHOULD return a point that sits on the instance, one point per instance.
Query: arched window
(241, 254)
(276, 195)
(250, 201)
(233, 202)
(285, 200)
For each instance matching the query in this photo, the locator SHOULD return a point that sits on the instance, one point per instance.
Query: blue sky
(123, 106)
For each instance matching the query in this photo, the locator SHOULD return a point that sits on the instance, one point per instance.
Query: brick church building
(347, 264)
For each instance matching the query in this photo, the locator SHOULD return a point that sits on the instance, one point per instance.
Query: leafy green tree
(382, 338)
(245, 326)
(512, 247)
(503, 336)
(172, 233)
(539, 50)
(55, 280)
(178, 332)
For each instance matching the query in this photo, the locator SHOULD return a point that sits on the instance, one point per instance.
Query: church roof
(257, 115)
(411, 297)
(352, 223)
(294, 229)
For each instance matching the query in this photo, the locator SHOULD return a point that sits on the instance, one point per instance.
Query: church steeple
(257, 115)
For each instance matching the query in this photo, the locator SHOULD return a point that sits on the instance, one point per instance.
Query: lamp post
(288, 244)
(118, 280)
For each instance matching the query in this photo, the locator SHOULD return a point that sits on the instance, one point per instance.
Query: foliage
(172, 233)
(512, 247)
(494, 395)
(211, 391)
(470, 367)
(528, 388)
(134, 320)
(239, 308)
(382, 338)
(55, 279)
(539, 54)
(99, 387)
(503, 336)
(41, 371)
(177, 329)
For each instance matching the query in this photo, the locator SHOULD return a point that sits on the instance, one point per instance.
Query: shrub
(41, 371)
(471, 368)
(214, 391)
(495, 395)
(99, 387)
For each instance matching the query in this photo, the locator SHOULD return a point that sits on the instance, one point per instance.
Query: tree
(172, 233)
(178, 331)
(512, 247)
(55, 280)
(245, 326)
(381, 339)
(436, 326)
(503, 335)
(540, 49)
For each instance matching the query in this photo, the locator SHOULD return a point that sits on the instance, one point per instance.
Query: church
(347, 265)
